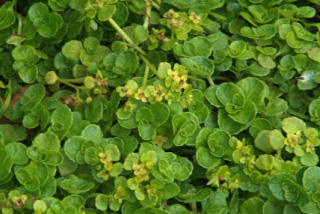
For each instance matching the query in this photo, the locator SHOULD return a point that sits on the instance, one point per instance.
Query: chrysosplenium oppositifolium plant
(162, 106)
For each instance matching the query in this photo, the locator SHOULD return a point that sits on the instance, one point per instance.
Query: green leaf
(276, 182)
(32, 97)
(262, 141)
(314, 53)
(236, 49)
(12, 133)
(29, 181)
(198, 46)
(306, 80)
(74, 185)
(311, 179)
(252, 205)
(74, 148)
(47, 141)
(254, 90)
(210, 95)
(259, 125)
(61, 121)
(170, 190)
(216, 203)
(265, 162)
(144, 115)
(293, 124)
(94, 111)
(229, 125)
(140, 33)
(272, 207)
(206, 159)
(101, 202)
(246, 114)
(199, 66)
(226, 92)
(106, 12)
(7, 18)
(18, 153)
(72, 49)
(146, 130)
(160, 112)
(275, 107)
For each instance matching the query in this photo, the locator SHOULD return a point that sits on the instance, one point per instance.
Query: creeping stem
(125, 36)
(145, 60)
(19, 31)
(148, 14)
(210, 81)
(155, 5)
(131, 43)
(8, 99)
(145, 78)
(67, 82)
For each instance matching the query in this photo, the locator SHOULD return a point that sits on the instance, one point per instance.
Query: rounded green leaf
(93, 133)
(106, 12)
(252, 206)
(206, 159)
(18, 153)
(265, 162)
(30, 182)
(276, 182)
(311, 179)
(72, 49)
(293, 124)
(226, 91)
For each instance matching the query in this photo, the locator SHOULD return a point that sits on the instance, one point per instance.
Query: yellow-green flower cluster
(120, 194)
(150, 93)
(141, 172)
(293, 139)
(106, 160)
(98, 85)
(168, 88)
(177, 78)
(175, 19)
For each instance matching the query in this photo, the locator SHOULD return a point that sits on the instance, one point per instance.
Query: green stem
(145, 78)
(8, 99)
(210, 81)
(73, 86)
(278, 155)
(148, 14)
(77, 80)
(155, 5)
(163, 204)
(159, 2)
(125, 36)
(145, 60)
(194, 207)
(19, 32)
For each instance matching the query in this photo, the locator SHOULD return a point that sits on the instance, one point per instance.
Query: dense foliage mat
(163, 106)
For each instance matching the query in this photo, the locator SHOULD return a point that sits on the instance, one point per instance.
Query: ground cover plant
(162, 106)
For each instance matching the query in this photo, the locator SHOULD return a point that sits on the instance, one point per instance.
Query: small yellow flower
(122, 90)
(293, 139)
(158, 93)
(142, 174)
(129, 107)
(104, 174)
(139, 95)
(151, 192)
(171, 14)
(160, 140)
(194, 18)
(19, 201)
